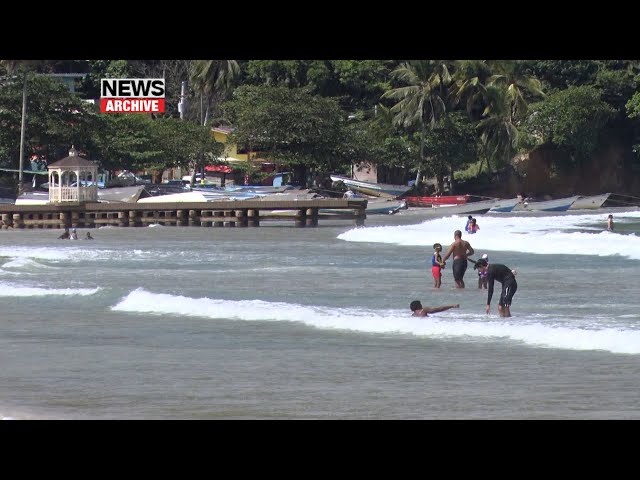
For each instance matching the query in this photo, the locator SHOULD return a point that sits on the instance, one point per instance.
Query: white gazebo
(73, 179)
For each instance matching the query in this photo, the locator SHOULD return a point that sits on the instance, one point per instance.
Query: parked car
(199, 176)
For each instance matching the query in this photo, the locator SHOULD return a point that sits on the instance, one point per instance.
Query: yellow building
(231, 152)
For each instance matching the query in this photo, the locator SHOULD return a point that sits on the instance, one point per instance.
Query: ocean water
(278, 322)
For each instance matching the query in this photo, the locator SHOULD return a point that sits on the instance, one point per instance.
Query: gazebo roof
(73, 160)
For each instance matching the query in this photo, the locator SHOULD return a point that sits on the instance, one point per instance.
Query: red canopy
(218, 168)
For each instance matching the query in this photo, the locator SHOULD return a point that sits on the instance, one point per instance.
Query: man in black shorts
(460, 249)
(506, 276)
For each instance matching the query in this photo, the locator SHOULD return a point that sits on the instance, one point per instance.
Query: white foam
(575, 335)
(22, 262)
(38, 253)
(11, 290)
(542, 235)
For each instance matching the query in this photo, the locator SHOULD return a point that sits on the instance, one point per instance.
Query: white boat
(375, 206)
(198, 196)
(376, 189)
(175, 197)
(558, 205)
(505, 205)
(479, 208)
(590, 202)
(33, 198)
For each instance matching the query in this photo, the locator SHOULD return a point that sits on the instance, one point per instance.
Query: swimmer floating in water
(420, 311)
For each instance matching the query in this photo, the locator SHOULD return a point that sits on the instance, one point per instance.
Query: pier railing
(70, 194)
(234, 213)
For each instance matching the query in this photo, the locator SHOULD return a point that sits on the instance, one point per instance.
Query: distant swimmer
(89, 237)
(420, 311)
(610, 223)
(73, 235)
(460, 249)
(506, 276)
(65, 235)
(466, 227)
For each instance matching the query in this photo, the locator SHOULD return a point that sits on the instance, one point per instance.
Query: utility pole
(181, 109)
(181, 103)
(22, 132)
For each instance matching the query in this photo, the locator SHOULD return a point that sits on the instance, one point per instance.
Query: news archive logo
(132, 95)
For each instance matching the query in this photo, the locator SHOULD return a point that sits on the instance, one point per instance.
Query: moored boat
(429, 201)
(505, 205)
(590, 202)
(369, 188)
(479, 208)
(557, 205)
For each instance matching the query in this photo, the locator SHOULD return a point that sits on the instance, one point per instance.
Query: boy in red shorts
(437, 265)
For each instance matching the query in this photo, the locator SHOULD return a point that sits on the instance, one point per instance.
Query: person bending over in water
(420, 311)
(506, 276)
(460, 249)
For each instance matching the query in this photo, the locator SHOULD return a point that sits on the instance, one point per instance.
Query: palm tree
(470, 79)
(212, 77)
(422, 102)
(517, 84)
(498, 134)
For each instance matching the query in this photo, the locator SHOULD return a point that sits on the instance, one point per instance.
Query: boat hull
(590, 202)
(505, 205)
(369, 188)
(478, 208)
(425, 201)
(558, 205)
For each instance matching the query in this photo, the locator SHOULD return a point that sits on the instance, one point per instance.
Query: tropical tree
(289, 126)
(450, 146)
(213, 79)
(421, 102)
(518, 86)
(470, 79)
(57, 119)
(13, 66)
(498, 134)
(572, 120)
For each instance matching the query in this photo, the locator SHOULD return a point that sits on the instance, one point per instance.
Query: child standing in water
(437, 265)
(610, 223)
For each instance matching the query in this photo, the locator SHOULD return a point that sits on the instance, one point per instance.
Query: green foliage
(358, 84)
(617, 86)
(99, 69)
(451, 144)
(571, 119)
(420, 102)
(498, 134)
(137, 142)
(633, 106)
(288, 126)
(55, 119)
(325, 113)
(560, 74)
(292, 73)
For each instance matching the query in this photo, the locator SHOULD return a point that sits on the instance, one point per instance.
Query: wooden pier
(238, 213)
